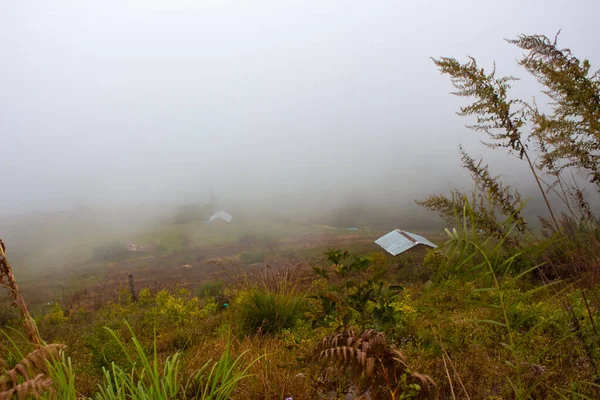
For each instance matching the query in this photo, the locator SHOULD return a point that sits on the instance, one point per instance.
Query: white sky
(120, 101)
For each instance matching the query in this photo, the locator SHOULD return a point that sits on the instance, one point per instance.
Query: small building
(398, 241)
(220, 217)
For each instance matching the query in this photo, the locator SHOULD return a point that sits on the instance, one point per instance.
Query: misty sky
(124, 101)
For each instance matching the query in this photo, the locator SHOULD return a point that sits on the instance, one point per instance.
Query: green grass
(210, 289)
(147, 378)
(269, 313)
(252, 257)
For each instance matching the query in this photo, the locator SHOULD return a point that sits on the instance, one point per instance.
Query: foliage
(565, 139)
(56, 316)
(30, 376)
(210, 289)
(496, 287)
(570, 135)
(501, 118)
(483, 212)
(174, 308)
(268, 312)
(488, 203)
(252, 257)
(169, 240)
(60, 370)
(504, 200)
(222, 377)
(147, 380)
(372, 363)
(353, 293)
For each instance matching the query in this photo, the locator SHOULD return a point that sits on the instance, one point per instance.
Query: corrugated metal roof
(398, 241)
(221, 214)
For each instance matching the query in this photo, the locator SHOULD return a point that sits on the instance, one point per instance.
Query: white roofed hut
(398, 241)
(220, 217)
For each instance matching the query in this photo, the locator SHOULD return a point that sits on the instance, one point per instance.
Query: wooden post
(131, 288)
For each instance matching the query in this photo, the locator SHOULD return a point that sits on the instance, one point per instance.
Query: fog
(292, 104)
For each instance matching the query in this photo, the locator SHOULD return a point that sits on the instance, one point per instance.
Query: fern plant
(32, 375)
(373, 364)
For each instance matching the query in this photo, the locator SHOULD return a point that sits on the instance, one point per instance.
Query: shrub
(56, 316)
(103, 350)
(420, 271)
(252, 257)
(174, 309)
(147, 379)
(268, 313)
(354, 293)
(210, 289)
(170, 241)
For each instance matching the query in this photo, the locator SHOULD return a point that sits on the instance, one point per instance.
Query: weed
(373, 364)
(268, 313)
(252, 257)
(210, 289)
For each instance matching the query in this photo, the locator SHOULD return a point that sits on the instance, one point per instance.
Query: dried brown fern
(373, 363)
(30, 376)
(32, 387)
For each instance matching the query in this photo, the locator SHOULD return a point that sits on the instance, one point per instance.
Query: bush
(210, 289)
(56, 316)
(252, 257)
(171, 241)
(415, 271)
(268, 313)
(145, 379)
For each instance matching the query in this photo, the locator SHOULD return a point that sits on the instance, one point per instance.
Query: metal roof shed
(398, 241)
(221, 215)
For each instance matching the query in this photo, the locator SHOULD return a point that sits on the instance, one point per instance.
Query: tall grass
(146, 379)
(469, 255)
(47, 373)
(268, 312)
(61, 372)
(222, 378)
